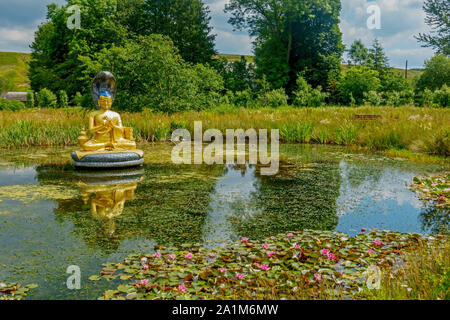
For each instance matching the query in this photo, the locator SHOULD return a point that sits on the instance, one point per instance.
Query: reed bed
(412, 129)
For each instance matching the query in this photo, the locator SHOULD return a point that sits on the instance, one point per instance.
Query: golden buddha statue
(109, 136)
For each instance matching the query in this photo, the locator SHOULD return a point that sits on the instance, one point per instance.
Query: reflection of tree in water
(170, 206)
(435, 220)
(299, 197)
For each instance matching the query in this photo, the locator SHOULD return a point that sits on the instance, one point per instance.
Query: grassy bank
(14, 66)
(402, 131)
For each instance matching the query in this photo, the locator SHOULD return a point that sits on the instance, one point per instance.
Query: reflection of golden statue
(109, 201)
(111, 145)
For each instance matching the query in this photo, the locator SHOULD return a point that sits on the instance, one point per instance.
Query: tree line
(163, 55)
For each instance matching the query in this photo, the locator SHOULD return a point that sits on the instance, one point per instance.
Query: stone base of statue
(108, 159)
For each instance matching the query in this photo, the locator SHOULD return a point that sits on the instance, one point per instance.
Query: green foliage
(237, 75)
(162, 83)
(392, 81)
(63, 100)
(358, 53)
(373, 98)
(77, 100)
(30, 100)
(437, 17)
(393, 98)
(356, 81)
(186, 22)
(436, 73)
(273, 98)
(291, 37)
(12, 105)
(377, 57)
(305, 95)
(46, 98)
(442, 96)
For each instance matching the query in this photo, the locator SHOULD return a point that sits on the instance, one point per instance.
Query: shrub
(436, 74)
(274, 98)
(46, 98)
(30, 100)
(6, 84)
(355, 82)
(407, 97)
(373, 98)
(63, 100)
(442, 96)
(425, 98)
(306, 96)
(77, 100)
(393, 98)
(12, 105)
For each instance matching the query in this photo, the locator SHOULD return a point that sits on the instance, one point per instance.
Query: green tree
(358, 53)
(436, 73)
(151, 74)
(356, 82)
(186, 22)
(292, 37)
(56, 49)
(377, 57)
(438, 18)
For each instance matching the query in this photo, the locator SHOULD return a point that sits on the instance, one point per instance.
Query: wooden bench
(368, 117)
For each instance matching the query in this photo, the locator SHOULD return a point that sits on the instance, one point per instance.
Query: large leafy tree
(186, 22)
(438, 18)
(292, 36)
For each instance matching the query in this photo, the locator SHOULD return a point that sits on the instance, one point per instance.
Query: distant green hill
(14, 66)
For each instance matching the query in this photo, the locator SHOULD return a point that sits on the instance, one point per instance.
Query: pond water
(52, 217)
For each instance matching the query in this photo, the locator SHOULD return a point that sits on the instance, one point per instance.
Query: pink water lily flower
(331, 256)
(189, 256)
(265, 267)
(290, 235)
(297, 246)
(144, 282)
(145, 267)
(377, 242)
(270, 254)
(172, 256)
(256, 265)
(157, 255)
(318, 276)
(222, 270)
(212, 255)
(265, 246)
(325, 252)
(240, 276)
(370, 251)
(182, 288)
(244, 239)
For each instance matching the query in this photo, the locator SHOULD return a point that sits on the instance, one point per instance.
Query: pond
(52, 217)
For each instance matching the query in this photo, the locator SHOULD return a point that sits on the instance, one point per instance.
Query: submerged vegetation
(417, 130)
(295, 265)
(14, 291)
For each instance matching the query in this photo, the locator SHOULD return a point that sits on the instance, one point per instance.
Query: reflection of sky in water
(17, 176)
(378, 201)
(232, 192)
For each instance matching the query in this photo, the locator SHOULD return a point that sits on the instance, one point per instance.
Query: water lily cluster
(296, 265)
(435, 189)
(14, 291)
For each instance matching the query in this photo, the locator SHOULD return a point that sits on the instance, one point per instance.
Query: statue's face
(105, 102)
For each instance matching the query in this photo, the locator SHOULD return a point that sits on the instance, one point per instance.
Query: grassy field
(403, 131)
(14, 66)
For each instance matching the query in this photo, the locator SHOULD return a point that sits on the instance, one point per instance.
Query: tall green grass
(417, 130)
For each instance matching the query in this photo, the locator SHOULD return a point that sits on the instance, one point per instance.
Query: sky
(400, 21)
